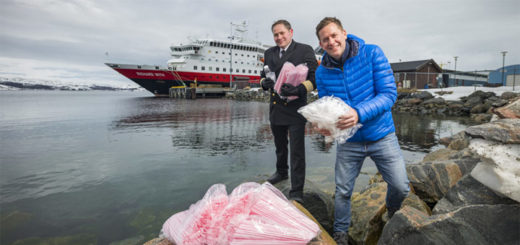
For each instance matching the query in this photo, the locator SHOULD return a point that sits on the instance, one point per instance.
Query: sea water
(111, 167)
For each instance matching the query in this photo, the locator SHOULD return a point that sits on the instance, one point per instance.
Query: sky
(71, 40)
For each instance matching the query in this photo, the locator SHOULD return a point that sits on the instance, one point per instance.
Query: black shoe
(299, 199)
(341, 238)
(276, 178)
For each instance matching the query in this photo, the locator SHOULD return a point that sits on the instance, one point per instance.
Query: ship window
(238, 70)
(209, 59)
(243, 70)
(139, 67)
(256, 71)
(236, 62)
(211, 68)
(194, 67)
(202, 59)
(236, 54)
(242, 55)
(156, 67)
(224, 69)
(203, 68)
(247, 55)
(249, 71)
(217, 69)
(242, 62)
(216, 52)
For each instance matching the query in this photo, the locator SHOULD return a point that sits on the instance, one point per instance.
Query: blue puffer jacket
(366, 83)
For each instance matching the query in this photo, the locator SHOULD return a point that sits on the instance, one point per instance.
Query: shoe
(276, 178)
(299, 199)
(341, 238)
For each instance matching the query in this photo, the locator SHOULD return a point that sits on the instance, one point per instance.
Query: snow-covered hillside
(25, 83)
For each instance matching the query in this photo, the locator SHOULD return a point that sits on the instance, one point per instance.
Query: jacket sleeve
(312, 64)
(384, 88)
(320, 86)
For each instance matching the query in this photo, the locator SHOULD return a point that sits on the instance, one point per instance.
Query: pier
(182, 92)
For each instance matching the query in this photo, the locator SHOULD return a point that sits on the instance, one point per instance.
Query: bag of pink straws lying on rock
(252, 214)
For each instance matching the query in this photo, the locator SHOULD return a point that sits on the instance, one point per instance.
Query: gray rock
(432, 180)
(503, 130)
(510, 111)
(475, 224)
(473, 101)
(435, 101)
(481, 117)
(423, 95)
(509, 95)
(469, 191)
(480, 108)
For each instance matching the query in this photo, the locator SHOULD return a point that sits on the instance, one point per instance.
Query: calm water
(111, 167)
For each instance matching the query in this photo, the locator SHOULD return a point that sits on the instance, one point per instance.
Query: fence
(421, 80)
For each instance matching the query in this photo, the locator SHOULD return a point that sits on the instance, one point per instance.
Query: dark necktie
(282, 53)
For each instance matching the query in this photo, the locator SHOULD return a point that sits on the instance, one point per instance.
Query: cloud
(58, 33)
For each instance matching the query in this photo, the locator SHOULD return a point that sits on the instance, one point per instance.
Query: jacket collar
(354, 43)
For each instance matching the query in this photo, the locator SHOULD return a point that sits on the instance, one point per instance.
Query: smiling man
(360, 75)
(283, 115)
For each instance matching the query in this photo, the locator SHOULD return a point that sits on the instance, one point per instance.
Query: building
(510, 76)
(451, 78)
(417, 74)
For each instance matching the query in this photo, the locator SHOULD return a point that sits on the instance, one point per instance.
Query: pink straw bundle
(291, 74)
(252, 214)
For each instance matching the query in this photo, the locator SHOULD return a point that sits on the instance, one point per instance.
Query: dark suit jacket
(280, 111)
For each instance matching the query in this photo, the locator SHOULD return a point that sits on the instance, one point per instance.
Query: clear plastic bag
(252, 214)
(325, 113)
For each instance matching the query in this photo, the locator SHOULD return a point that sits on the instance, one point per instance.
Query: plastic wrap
(252, 214)
(293, 75)
(325, 112)
(191, 226)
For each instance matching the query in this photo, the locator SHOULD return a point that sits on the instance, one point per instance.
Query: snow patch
(502, 172)
(467, 90)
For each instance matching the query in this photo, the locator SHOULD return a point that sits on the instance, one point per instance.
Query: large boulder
(368, 212)
(509, 111)
(474, 224)
(423, 95)
(504, 130)
(432, 180)
(509, 95)
(469, 191)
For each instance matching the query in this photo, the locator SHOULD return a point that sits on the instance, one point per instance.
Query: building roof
(413, 65)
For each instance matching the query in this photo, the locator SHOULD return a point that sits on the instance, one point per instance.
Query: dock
(182, 92)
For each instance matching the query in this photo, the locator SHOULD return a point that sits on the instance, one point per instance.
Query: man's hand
(290, 90)
(348, 120)
(267, 83)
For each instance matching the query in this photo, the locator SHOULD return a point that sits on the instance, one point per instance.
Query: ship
(232, 63)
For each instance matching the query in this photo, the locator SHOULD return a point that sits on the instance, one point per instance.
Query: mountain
(25, 83)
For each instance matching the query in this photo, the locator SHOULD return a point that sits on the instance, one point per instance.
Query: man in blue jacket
(360, 75)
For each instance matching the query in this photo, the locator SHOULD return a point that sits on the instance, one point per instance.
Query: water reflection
(420, 133)
(215, 126)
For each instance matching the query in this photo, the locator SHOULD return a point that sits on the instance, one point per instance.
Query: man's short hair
(283, 22)
(325, 22)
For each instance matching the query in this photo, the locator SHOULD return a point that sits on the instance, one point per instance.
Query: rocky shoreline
(466, 193)
(479, 105)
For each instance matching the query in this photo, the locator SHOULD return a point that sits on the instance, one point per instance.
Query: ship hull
(159, 81)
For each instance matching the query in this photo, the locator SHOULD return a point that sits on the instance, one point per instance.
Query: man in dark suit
(283, 115)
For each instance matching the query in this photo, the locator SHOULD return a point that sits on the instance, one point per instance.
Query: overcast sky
(70, 39)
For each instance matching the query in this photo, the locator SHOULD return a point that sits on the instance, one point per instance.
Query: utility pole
(503, 63)
(455, 75)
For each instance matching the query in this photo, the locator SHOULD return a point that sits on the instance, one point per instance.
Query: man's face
(282, 36)
(332, 40)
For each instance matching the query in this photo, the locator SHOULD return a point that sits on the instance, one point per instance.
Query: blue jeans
(387, 156)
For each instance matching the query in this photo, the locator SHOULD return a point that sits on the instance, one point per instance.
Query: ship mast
(240, 30)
